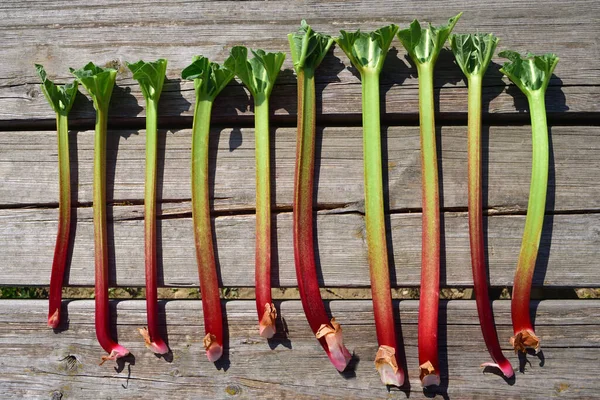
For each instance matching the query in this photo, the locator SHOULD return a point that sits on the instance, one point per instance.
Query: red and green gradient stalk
(423, 46)
(151, 76)
(99, 83)
(473, 54)
(308, 49)
(61, 99)
(532, 75)
(259, 75)
(209, 80)
(367, 52)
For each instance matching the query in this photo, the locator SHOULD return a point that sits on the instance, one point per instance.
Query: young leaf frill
(532, 75)
(61, 99)
(367, 52)
(151, 77)
(423, 46)
(209, 80)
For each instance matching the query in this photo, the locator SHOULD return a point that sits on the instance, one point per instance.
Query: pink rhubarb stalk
(532, 75)
(367, 52)
(259, 75)
(61, 99)
(99, 83)
(423, 46)
(308, 49)
(473, 54)
(151, 76)
(209, 80)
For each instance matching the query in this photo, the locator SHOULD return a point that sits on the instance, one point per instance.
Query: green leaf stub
(98, 81)
(150, 76)
(424, 44)
(367, 50)
(62, 97)
(530, 73)
(209, 77)
(259, 73)
(308, 47)
(473, 52)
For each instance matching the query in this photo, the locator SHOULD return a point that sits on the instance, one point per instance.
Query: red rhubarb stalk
(61, 99)
(532, 75)
(259, 75)
(367, 52)
(423, 46)
(99, 83)
(151, 76)
(473, 54)
(308, 49)
(209, 80)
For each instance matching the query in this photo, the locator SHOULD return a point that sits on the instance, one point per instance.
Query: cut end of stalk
(157, 347)
(386, 365)
(504, 366)
(214, 350)
(338, 353)
(526, 339)
(118, 352)
(54, 319)
(267, 322)
(429, 376)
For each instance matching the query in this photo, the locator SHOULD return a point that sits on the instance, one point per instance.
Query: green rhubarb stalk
(473, 54)
(532, 75)
(99, 83)
(259, 75)
(151, 76)
(61, 99)
(308, 49)
(367, 52)
(423, 46)
(209, 80)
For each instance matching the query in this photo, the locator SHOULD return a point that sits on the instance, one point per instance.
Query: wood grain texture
(70, 34)
(294, 366)
(28, 167)
(568, 255)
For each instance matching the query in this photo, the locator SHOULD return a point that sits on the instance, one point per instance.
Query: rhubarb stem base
(214, 350)
(386, 365)
(525, 339)
(157, 346)
(54, 320)
(429, 376)
(337, 352)
(117, 352)
(504, 367)
(267, 322)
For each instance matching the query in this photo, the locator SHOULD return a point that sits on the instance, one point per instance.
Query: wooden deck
(40, 363)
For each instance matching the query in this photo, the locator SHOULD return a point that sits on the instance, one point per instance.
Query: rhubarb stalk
(259, 75)
(367, 52)
(99, 83)
(61, 100)
(308, 49)
(532, 75)
(423, 46)
(473, 54)
(209, 80)
(151, 76)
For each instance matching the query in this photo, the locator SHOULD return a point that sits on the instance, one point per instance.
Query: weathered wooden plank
(66, 35)
(28, 167)
(568, 257)
(293, 366)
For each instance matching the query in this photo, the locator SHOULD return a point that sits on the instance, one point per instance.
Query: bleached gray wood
(70, 34)
(292, 367)
(568, 258)
(28, 167)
